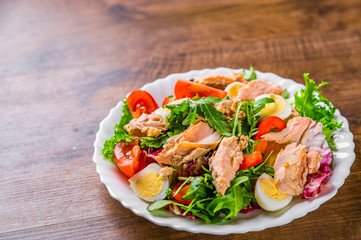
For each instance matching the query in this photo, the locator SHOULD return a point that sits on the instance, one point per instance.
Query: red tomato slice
(271, 123)
(268, 124)
(251, 160)
(183, 191)
(261, 146)
(127, 157)
(188, 89)
(139, 102)
(166, 101)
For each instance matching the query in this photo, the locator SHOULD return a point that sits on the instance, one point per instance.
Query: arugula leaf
(210, 100)
(198, 187)
(207, 204)
(251, 74)
(261, 103)
(215, 119)
(249, 127)
(235, 119)
(177, 116)
(154, 142)
(236, 198)
(160, 204)
(190, 118)
(120, 134)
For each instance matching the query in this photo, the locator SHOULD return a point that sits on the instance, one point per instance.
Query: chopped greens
(210, 206)
(249, 126)
(185, 113)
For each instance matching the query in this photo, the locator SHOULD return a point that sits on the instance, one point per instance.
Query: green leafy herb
(207, 204)
(249, 127)
(120, 134)
(251, 75)
(161, 204)
(154, 142)
(238, 196)
(286, 94)
(215, 119)
(184, 114)
(309, 102)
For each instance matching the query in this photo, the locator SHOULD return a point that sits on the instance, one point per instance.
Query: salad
(224, 145)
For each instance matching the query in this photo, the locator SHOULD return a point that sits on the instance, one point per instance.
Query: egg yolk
(274, 109)
(270, 189)
(233, 90)
(149, 185)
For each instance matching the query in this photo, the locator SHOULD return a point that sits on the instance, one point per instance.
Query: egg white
(286, 112)
(153, 167)
(265, 201)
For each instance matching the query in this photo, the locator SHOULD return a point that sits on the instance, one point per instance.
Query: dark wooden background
(64, 64)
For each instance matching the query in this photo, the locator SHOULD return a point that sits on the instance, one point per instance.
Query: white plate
(118, 186)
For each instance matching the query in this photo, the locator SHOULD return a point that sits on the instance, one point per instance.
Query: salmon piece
(194, 142)
(291, 169)
(292, 133)
(313, 161)
(225, 163)
(256, 88)
(147, 125)
(294, 113)
(219, 81)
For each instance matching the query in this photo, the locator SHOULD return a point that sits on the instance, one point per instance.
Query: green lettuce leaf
(120, 134)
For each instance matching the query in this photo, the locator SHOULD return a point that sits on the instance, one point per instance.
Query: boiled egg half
(233, 88)
(280, 108)
(268, 196)
(148, 184)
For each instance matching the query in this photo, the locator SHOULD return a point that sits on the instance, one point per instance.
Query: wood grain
(64, 64)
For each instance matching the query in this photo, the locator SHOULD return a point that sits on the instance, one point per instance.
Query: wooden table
(64, 64)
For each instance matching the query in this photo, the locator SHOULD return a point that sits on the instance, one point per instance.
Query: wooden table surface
(64, 64)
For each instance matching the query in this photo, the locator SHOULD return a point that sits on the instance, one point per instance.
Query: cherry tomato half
(139, 102)
(188, 89)
(268, 124)
(183, 191)
(261, 146)
(251, 160)
(167, 100)
(127, 157)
